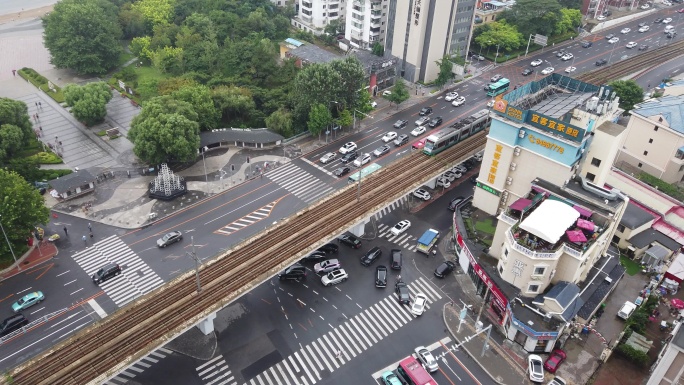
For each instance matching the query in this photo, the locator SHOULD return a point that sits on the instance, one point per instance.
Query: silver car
(427, 359)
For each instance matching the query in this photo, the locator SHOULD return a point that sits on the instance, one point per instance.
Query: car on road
(601, 18)
(348, 157)
(363, 159)
(396, 259)
(401, 123)
(381, 276)
(631, 45)
(329, 157)
(547, 70)
(106, 272)
(561, 53)
(645, 28)
(329, 248)
(425, 111)
(667, 20)
(422, 194)
(459, 101)
(435, 122)
(667, 3)
(418, 306)
(478, 57)
(535, 368)
(444, 269)
(536, 62)
(400, 227)
(12, 323)
(327, 266)
(610, 36)
(587, 44)
(657, 21)
(27, 301)
(681, 10)
(601, 62)
(380, 151)
(567, 56)
(295, 272)
(334, 277)
(169, 239)
(348, 147)
(527, 71)
(350, 240)
(389, 378)
(420, 130)
(490, 103)
(422, 120)
(495, 78)
(454, 203)
(341, 171)
(451, 96)
(419, 144)
(371, 256)
(643, 47)
(557, 381)
(556, 357)
(671, 35)
(402, 291)
(625, 30)
(316, 256)
(427, 359)
(390, 136)
(401, 140)
(570, 69)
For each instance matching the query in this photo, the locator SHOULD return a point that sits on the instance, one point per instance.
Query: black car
(527, 71)
(349, 157)
(381, 276)
(400, 123)
(610, 36)
(642, 25)
(295, 272)
(607, 13)
(425, 111)
(371, 256)
(658, 20)
(316, 256)
(395, 259)
(445, 268)
(643, 47)
(341, 171)
(435, 122)
(106, 272)
(455, 202)
(670, 35)
(350, 240)
(401, 140)
(12, 323)
(402, 291)
(601, 62)
(587, 44)
(329, 248)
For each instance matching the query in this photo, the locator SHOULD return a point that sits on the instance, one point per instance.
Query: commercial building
(314, 15)
(488, 10)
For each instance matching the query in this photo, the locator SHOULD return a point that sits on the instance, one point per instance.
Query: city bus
(413, 372)
(457, 132)
(373, 167)
(499, 87)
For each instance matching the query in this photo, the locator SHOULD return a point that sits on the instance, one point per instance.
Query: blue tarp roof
(427, 237)
(294, 42)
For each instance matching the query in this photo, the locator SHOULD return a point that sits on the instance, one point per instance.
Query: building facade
(314, 15)
(669, 368)
(366, 23)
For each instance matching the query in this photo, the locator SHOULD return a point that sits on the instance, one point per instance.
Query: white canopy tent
(550, 220)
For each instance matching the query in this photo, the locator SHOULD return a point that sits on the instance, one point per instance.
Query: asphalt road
(227, 218)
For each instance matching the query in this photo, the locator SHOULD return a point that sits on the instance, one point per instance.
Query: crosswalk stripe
(332, 348)
(393, 307)
(303, 353)
(294, 364)
(289, 370)
(363, 325)
(350, 339)
(374, 324)
(353, 323)
(427, 290)
(382, 320)
(299, 182)
(351, 329)
(384, 311)
(261, 382)
(275, 376)
(283, 375)
(321, 354)
(344, 341)
(403, 311)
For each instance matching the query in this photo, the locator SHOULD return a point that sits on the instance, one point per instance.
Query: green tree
(165, 130)
(21, 209)
(235, 104)
(11, 140)
(90, 47)
(89, 102)
(140, 47)
(280, 121)
(169, 60)
(445, 71)
(319, 119)
(199, 97)
(352, 77)
(629, 92)
(132, 22)
(363, 103)
(533, 16)
(378, 49)
(399, 94)
(155, 11)
(15, 127)
(316, 83)
(502, 34)
(345, 119)
(569, 21)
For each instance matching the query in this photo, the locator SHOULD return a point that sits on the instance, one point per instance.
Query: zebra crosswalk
(136, 279)
(403, 240)
(136, 369)
(299, 182)
(249, 219)
(345, 341)
(216, 372)
(391, 207)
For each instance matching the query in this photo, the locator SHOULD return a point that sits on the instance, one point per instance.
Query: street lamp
(355, 111)
(497, 54)
(206, 177)
(9, 244)
(488, 46)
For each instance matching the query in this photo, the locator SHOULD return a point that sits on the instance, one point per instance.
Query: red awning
(586, 225)
(583, 212)
(576, 236)
(521, 204)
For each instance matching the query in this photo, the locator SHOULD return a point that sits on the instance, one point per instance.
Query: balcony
(356, 35)
(305, 18)
(524, 246)
(375, 23)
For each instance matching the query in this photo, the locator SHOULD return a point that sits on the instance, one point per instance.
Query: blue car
(27, 301)
(390, 378)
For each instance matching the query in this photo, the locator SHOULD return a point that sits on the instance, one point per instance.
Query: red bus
(413, 372)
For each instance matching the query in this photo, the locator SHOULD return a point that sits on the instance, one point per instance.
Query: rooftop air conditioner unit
(513, 165)
(509, 181)
(521, 134)
(516, 152)
(608, 280)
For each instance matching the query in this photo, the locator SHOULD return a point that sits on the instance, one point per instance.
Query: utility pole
(484, 302)
(193, 255)
(355, 111)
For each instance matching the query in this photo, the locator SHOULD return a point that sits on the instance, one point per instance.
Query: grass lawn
(631, 266)
(485, 226)
(149, 72)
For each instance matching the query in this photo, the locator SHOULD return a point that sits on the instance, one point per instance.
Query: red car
(555, 359)
(419, 144)
(680, 10)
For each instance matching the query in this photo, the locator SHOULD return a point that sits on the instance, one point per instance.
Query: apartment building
(314, 15)
(366, 23)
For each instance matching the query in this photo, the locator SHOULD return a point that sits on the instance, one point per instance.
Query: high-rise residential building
(366, 23)
(314, 15)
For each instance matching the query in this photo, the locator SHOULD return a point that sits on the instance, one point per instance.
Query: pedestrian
(36, 104)
(37, 118)
(41, 128)
(91, 235)
(85, 241)
(40, 105)
(14, 72)
(338, 354)
(66, 231)
(90, 228)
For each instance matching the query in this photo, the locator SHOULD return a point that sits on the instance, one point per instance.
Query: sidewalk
(31, 259)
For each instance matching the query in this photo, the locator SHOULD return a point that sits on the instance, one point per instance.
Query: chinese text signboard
(549, 124)
(491, 177)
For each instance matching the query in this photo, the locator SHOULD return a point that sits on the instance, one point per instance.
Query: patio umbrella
(677, 303)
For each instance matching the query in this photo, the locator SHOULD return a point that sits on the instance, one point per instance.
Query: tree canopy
(83, 35)
(629, 91)
(319, 119)
(502, 34)
(399, 94)
(15, 127)
(533, 16)
(88, 102)
(445, 71)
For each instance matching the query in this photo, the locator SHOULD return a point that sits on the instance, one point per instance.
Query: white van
(669, 28)
(626, 310)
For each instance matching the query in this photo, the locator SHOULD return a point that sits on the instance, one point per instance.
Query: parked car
(380, 151)
(403, 294)
(495, 78)
(390, 136)
(389, 378)
(363, 159)
(527, 71)
(341, 171)
(327, 266)
(12, 323)
(348, 157)
(418, 306)
(442, 182)
(422, 194)
(316, 256)
(350, 240)
(427, 359)
(381, 276)
(535, 368)
(400, 227)
(169, 239)
(454, 203)
(401, 123)
(396, 259)
(425, 111)
(295, 272)
(422, 120)
(386, 93)
(329, 157)
(371, 256)
(645, 6)
(459, 168)
(451, 96)
(626, 310)
(459, 101)
(435, 122)
(348, 147)
(401, 140)
(27, 301)
(329, 248)
(450, 176)
(444, 269)
(557, 381)
(601, 18)
(334, 277)
(106, 272)
(556, 357)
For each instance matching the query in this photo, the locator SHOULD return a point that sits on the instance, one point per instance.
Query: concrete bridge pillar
(360, 228)
(206, 326)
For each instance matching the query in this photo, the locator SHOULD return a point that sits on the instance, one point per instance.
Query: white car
(667, 3)
(645, 6)
(386, 93)
(426, 358)
(442, 182)
(567, 56)
(613, 40)
(625, 30)
(329, 157)
(348, 147)
(547, 70)
(451, 96)
(536, 62)
(459, 101)
(535, 366)
(418, 306)
(557, 381)
(418, 131)
(631, 44)
(667, 21)
(570, 69)
(601, 18)
(374, 104)
(644, 28)
(422, 194)
(400, 227)
(390, 136)
(459, 168)
(422, 120)
(361, 160)
(490, 103)
(334, 277)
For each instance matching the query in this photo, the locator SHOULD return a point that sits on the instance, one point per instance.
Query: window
(500, 270)
(645, 152)
(533, 288)
(640, 165)
(621, 228)
(655, 128)
(650, 141)
(596, 162)
(679, 154)
(681, 168)
(539, 270)
(660, 119)
(591, 177)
